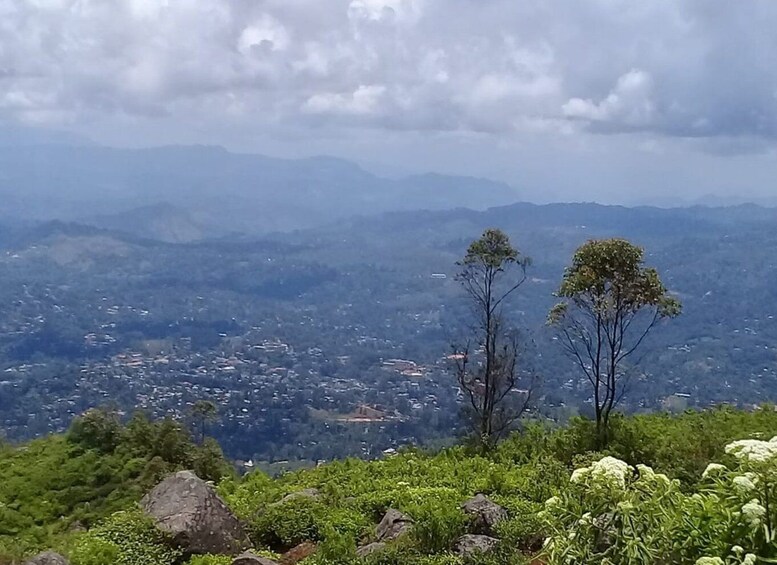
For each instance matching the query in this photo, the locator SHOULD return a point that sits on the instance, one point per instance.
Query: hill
(213, 191)
(654, 498)
(61, 484)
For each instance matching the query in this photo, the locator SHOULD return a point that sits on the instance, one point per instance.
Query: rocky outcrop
(472, 544)
(484, 514)
(187, 508)
(393, 525)
(370, 548)
(252, 559)
(47, 558)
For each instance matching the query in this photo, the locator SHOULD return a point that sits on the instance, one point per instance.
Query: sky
(663, 102)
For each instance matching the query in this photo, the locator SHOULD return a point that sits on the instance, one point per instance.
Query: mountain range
(184, 193)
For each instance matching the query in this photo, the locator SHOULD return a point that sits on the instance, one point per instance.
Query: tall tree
(490, 272)
(610, 302)
(203, 412)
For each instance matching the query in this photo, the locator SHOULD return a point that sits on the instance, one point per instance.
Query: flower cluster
(713, 469)
(754, 450)
(746, 482)
(753, 512)
(608, 470)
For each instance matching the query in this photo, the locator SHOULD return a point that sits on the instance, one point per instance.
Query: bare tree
(490, 272)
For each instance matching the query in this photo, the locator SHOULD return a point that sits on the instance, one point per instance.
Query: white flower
(585, 519)
(737, 550)
(579, 475)
(749, 559)
(744, 484)
(753, 512)
(712, 468)
(753, 450)
(552, 501)
(709, 561)
(611, 470)
(645, 471)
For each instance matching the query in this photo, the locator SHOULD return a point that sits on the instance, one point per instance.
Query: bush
(125, 538)
(615, 513)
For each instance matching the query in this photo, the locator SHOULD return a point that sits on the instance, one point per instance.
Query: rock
(249, 558)
(309, 493)
(187, 508)
(484, 513)
(471, 544)
(298, 553)
(393, 525)
(370, 548)
(606, 532)
(47, 558)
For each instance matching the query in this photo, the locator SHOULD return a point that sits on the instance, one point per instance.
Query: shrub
(125, 538)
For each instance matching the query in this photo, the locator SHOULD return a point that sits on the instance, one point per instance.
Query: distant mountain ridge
(208, 190)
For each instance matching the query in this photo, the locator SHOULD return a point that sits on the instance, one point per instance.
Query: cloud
(363, 100)
(629, 103)
(492, 67)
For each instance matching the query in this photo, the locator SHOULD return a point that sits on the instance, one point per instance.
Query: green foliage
(299, 519)
(610, 302)
(616, 509)
(53, 486)
(209, 560)
(125, 538)
(615, 513)
(487, 385)
(608, 274)
(438, 521)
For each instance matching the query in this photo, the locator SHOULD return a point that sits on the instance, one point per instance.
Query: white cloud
(265, 32)
(385, 10)
(364, 100)
(629, 103)
(494, 67)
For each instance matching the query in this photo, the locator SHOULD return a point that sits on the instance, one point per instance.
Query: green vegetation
(610, 302)
(52, 488)
(488, 275)
(632, 503)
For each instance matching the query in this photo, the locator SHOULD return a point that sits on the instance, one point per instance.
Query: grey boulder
(370, 548)
(251, 559)
(190, 511)
(393, 525)
(484, 514)
(472, 544)
(47, 558)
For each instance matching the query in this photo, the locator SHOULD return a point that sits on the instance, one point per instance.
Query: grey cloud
(684, 69)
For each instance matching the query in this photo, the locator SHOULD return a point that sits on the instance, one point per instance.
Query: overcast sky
(611, 100)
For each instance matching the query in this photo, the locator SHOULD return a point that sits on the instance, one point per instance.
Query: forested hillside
(291, 335)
